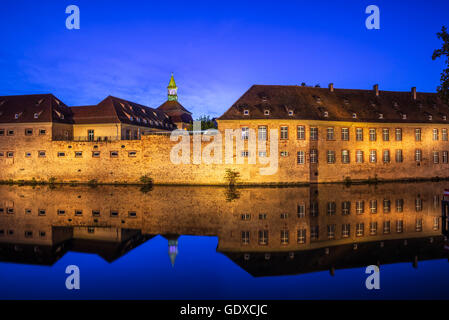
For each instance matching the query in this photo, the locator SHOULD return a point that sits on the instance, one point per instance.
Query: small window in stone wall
(28, 132)
(114, 154)
(78, 154)
(42, 131)
(61, 154)
(28, 154)
(132, 154)
(96, 213)
(114, 213)
(132, 214)
(41, 154)
(78, 212)
(2, 154)
(10, 154)
(10, 132)
(41, 212)
(2, 132)
(95, 154)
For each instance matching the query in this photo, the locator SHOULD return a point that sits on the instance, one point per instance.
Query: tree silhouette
(443, 88)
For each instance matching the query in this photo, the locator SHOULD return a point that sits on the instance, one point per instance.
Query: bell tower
(172, 90)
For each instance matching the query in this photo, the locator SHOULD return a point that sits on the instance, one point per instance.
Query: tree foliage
(206, 123)
(443, 88)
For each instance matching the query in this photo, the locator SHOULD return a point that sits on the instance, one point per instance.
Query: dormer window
(17, 115)
(444, 117)
(404, 116)
(131, 118)
(429, 117)
(290, 112)
(267, 112)
(354, 116)
(246, 112)
(346, 101)
(326, 114)
(381, 116)
(62, 117)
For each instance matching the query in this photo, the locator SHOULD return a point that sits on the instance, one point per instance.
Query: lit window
(373, 156)
(398, 134)
(246, 112)
(436, 157)
(300, 157)
(284, 133)
(373, 206)
(386, 227)
(399, 205)
(399, 157)
(301, 132)
(444, 134)
(331, 208)
(245, 237)
(418, 134)
(346, 208)
(331, 231)
(313, 134)
(418, 155)
(301, 211)
(313, 156)
(360, 229)
(418, 225)
(330, 133)
(360, 207)
(245, 133)
(359, 156)
(386, 134)
(267, 112)
(387, 206)
(418, 204)
(386, 156)
(345, 230)
(330, 156)
(372, 134)
(302, 235)
(314, 233)
(263, 237)
(445, 157)
(262, 133)
(359, 134)
(284, 237)
(345, 134)
(435, 134)
(399, 226)
(345, 156)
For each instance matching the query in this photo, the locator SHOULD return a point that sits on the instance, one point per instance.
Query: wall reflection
(266, 231)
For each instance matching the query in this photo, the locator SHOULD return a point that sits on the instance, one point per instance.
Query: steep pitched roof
(33, 108)
(173, 106)
(311, 103)
(116, 110)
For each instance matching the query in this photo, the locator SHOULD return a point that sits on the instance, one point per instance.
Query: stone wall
(74, 161)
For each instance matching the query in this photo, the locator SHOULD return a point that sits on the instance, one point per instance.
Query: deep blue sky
(217, 49)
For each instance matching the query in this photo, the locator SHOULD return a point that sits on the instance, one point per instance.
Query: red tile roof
(116, 110)
(33, 108)
(311, 103)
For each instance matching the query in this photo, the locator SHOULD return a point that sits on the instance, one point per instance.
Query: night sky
(216, 49)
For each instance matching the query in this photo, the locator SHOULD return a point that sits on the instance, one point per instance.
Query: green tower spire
(172, 89)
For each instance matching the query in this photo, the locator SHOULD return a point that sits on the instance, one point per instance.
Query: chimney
(331, 87)
(376, 89)
(414, 93)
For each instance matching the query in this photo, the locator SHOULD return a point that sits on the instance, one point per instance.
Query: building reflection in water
(266, 231)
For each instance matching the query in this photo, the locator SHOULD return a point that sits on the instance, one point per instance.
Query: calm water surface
(213, 243)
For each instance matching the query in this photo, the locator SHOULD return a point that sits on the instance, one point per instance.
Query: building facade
(323, 135)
